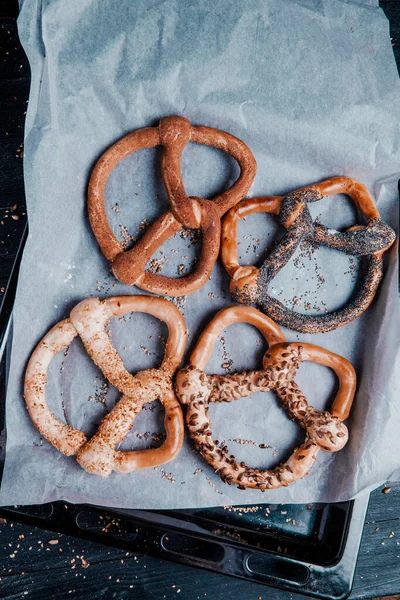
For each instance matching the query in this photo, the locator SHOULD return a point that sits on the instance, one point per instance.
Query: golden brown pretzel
(324, 430)
(249, 284)
(88, 319)
(173, 133)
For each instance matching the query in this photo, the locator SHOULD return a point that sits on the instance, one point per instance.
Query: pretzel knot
(249, 284)
(173, 133)
(324, 430)
(89, 319)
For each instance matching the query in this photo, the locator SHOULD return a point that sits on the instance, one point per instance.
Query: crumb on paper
(156, 265)
(165, 475)
(127, 238)
(146, 351)
(213, 486)
(178, 301)
(227, 365)
(193, 235)
(101, 391)
(226, 356)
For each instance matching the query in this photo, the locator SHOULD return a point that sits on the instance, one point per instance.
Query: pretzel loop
(134, 261)
(324, 430)
(249, 285)
(89, 320)
(173, 133)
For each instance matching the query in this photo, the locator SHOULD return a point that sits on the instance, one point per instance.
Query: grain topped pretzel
(249, 284)
(324, 430)
(173, 134)
(88, 320)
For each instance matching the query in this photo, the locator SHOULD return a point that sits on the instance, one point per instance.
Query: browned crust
(173, 133)
(249, 285)
(88, 320)
(324, 430)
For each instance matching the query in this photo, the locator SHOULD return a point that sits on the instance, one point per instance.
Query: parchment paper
(311, 86)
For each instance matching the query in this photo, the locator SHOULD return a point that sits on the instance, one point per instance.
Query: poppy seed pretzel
(324, 430)
(249, 284)
(173, 133)
(89, 319)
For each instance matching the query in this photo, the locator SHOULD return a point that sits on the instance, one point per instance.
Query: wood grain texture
(30, 566)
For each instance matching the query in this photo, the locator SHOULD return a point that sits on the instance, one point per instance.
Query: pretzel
(324, 430)
(173, 133)
(88, 320)
(249, 285)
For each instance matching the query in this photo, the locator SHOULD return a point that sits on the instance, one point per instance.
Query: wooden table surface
(38, 564)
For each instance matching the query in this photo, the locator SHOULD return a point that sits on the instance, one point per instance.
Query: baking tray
(310, 549)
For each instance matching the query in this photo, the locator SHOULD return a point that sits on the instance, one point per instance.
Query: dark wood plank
(378, 567)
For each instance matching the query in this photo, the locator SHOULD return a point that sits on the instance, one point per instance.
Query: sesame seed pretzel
(88, 319)
(173, 133)
(249, 285)
(324, 430)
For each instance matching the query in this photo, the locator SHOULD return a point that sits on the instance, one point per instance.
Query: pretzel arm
(174, 429)
(358, 240)
(192, 385)
(365, 292)
(344, 371)
(129, 266)
(225, 388)
(231, 471)
(241, 153)
(159, 284)
(285, 248)
(175, 133)
(358, 192)
(90, 318)
(376, 236)
(144, 138)
(229, 252)
(325, 429)
(226, 317)
(164, 311)
(249, 282)
(97, 456)
(64, 437)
